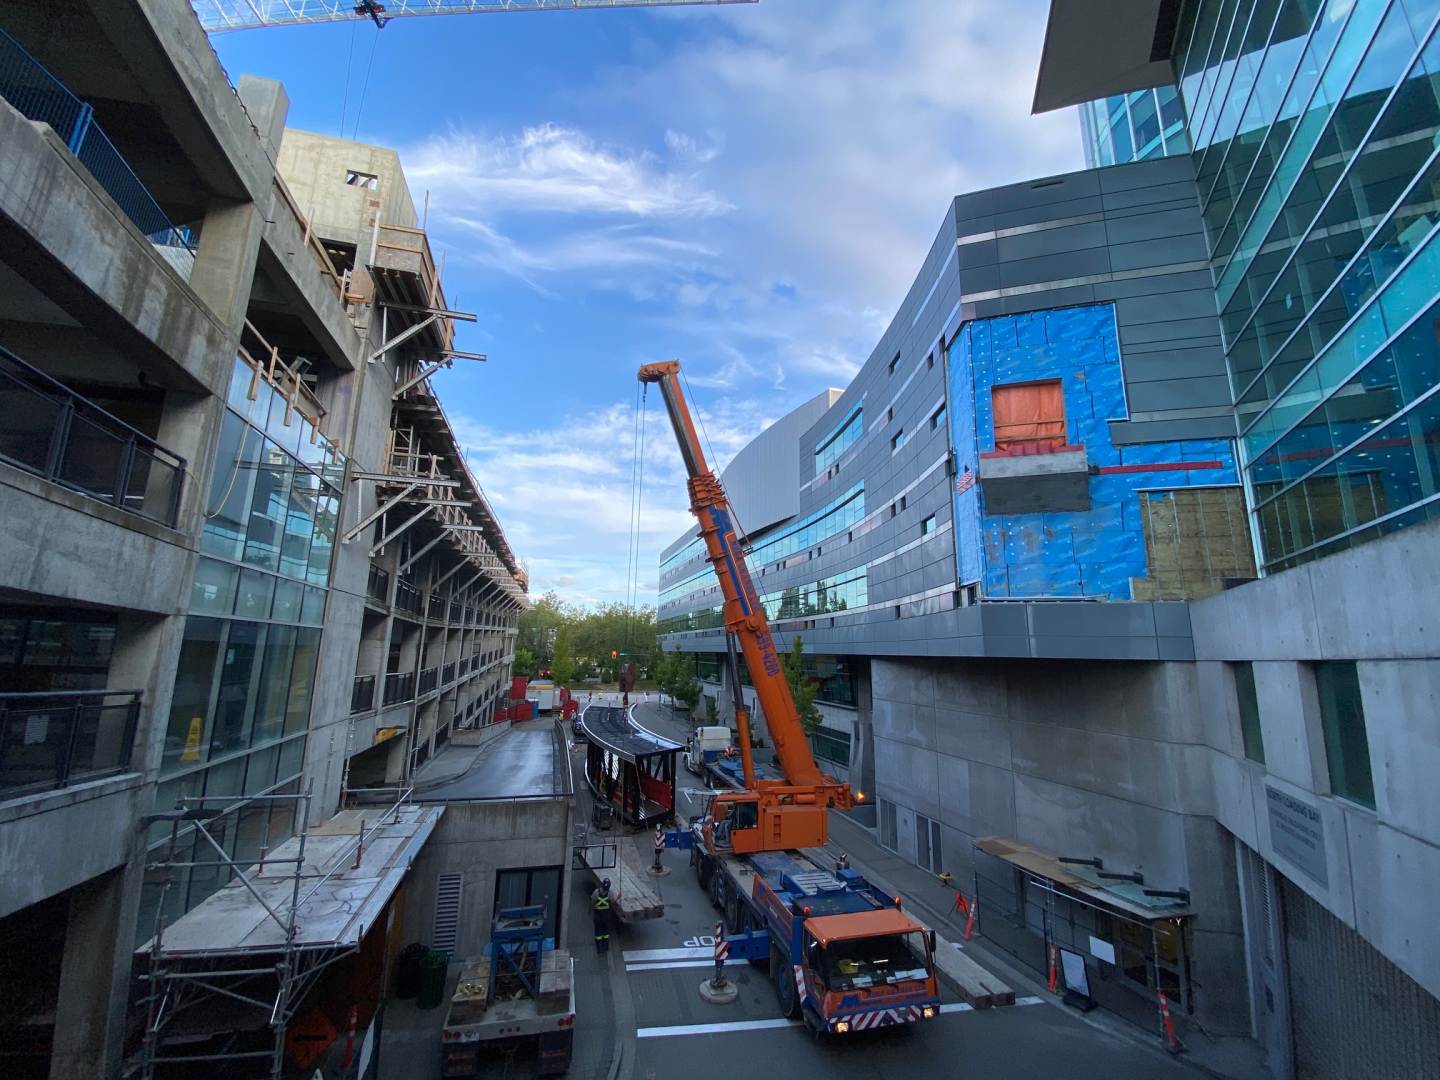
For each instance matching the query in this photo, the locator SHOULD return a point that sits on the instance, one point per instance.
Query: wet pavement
(521, 762)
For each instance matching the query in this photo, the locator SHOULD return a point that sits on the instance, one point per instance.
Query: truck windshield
(877, 961)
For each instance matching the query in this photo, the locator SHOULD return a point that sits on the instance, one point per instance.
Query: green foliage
(711, 715)
(524, 662)
(575, 642)
(562, 665)
(802, 688)
(675, 673)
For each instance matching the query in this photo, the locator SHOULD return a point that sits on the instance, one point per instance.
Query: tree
(802, 688)
(562, 666)
(524, 662)
(711, 718)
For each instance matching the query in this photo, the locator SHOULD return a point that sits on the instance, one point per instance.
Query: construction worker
(600, 909)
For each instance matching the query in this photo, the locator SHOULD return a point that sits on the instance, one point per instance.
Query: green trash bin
(432, 979)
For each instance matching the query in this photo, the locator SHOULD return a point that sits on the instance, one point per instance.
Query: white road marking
(714, 1029)
(770, 1025)
(669, 964)
(632, 955)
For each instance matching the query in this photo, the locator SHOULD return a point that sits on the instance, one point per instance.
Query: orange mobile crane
(790, 813)
(842, 955)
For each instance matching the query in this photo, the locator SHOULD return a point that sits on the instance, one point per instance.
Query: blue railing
(39, 96)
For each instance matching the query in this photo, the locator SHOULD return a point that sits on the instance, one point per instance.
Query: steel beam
(377, 514)
(405, 478)
(402, 337)
(380, 545)
(417, 309)
(418, 555)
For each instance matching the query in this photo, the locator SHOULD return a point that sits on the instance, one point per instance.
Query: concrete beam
(85, 255)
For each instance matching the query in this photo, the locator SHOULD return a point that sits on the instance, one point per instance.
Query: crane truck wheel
(734, 914)
(717, 890)
(785, 989)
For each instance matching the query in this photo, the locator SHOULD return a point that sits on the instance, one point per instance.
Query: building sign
(1297, 833)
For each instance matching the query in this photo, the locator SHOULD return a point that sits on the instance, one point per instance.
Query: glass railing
(38, 95)
(399, 686)
(408, 598)
(377, 586)
(50, 741)
(53, 432)
(362, 693)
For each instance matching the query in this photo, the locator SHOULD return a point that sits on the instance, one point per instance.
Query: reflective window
(1342, 718)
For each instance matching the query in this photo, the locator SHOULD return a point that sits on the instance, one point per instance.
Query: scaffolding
(227, 979)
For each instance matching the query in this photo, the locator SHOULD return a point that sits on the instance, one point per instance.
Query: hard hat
(605, 883)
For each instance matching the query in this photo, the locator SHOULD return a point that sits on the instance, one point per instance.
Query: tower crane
(769, 815)
(217, 16)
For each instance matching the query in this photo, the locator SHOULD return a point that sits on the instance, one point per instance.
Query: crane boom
(217, 16)
(804, 785)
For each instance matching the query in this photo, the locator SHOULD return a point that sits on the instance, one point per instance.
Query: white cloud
(567, 509)
(554, 169)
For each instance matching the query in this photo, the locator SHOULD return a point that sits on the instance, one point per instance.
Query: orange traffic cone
(1172, 1043)
(1053, 973)
(970, 919)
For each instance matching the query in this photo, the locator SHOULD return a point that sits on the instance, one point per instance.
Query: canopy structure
(628, 767)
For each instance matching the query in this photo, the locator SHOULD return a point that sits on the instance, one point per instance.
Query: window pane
(299, 524)
(213, 591)
(260, 769)
(1342, 715)
(268, 506)
(1249, 711)
(292, 754)
(235, 705)
(302, 674)
(253, 599)
(274, 684)
(190, 704)
(231, 482)
(323, 542)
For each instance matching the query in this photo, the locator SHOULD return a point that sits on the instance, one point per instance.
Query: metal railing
(377, 585)
(51, 431)
(399, 686)
(436, 610)
(38, 95)
(447, 674)
(429, 679)
(408, 598)
(53, 740)
(362, 693)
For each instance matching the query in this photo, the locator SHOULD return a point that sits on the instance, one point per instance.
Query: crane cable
(637, 489)
(349, 61)
(364, 86)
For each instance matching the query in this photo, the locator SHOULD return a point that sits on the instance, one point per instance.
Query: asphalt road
(677, 1036)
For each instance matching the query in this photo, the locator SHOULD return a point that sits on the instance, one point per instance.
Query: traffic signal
(613, 654)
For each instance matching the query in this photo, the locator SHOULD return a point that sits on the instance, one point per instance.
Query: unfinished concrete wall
(1086, 759)
(477, 840)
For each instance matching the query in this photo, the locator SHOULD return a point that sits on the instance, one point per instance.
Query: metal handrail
(55, 460)
(54, 760)
(38, 95)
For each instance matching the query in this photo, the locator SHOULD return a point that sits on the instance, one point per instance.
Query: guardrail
(399, 686)
(362, 693)
(428, 680)
(408, 598)
(53, 740)
(377, 585)
(51, 431)
(38, 95)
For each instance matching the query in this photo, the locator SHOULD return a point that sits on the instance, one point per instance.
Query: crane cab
(771, 818)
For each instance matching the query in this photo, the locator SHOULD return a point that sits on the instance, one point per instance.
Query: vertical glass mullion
(1197, 57)
(1225, 18)
(1295, 155)
(1235, 216)
(1235, 31)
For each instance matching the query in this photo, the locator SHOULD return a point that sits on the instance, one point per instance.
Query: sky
(748, 188)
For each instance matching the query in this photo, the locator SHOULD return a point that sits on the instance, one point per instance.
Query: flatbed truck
(521, 991)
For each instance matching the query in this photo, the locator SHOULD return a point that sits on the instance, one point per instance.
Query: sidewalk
(1229, 1058)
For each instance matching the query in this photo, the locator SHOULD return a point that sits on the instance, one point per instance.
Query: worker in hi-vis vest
(600, 908)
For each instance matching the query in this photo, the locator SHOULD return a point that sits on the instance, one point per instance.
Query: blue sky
(748, 188)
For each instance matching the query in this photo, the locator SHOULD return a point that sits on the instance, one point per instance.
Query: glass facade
(1313, 125)
(241, 704)
(846, 434)
(1133, 127)
(846, 590)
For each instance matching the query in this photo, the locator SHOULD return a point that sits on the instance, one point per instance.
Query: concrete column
(268, 105)
(95, 973)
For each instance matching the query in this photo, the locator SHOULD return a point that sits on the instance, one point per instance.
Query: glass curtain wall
(1314, 129)
(241, 704)
(1136, 126)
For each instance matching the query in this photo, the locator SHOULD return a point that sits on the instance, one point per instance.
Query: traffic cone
(970, 919)
(1172, 1043)
(1053, 973)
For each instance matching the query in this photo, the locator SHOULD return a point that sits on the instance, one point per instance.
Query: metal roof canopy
(1097, 48)
(339, 908)
(1131, 901)
(607, 726)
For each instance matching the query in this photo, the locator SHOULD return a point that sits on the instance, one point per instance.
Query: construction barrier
(1167, 1026)
(1054, 965)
